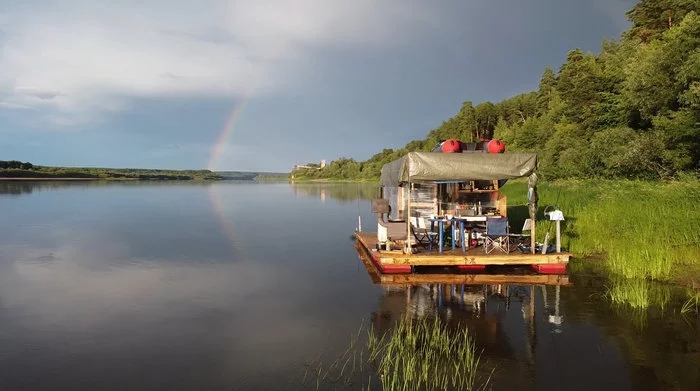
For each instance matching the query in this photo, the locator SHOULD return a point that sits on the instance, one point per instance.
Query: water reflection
(543, 331)
(343, 192)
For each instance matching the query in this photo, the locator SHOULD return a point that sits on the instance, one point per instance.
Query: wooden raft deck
(379, 278)
(474, 257)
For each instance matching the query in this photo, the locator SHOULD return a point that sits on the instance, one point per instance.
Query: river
(238, 286)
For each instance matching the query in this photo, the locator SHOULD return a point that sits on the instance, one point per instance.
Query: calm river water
(237, 286)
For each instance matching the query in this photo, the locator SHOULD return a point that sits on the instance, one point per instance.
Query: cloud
(37, 93)
(14, 106)
(78, 60)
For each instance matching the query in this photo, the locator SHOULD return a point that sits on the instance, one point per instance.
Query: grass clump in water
(692, 304)
(638, 294)
(415, 355)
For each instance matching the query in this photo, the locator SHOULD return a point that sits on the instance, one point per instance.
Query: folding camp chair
(496, 236)
(524, 236)
(423, 235)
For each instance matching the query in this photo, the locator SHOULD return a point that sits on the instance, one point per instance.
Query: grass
(646, 230)
(415, 355)
(692, 304)
(638, 293)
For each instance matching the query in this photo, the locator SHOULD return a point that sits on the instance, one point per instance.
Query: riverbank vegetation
(26, 170)
(630, 111)
(16, 169)
(646, 231)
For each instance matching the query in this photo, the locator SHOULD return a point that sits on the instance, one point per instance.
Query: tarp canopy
(436, 166)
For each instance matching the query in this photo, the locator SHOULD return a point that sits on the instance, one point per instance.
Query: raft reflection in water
(483, 303)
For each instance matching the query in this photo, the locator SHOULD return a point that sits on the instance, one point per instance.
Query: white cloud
(78, 60)
(14, 106)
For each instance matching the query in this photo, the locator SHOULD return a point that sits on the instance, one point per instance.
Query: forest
(630, 111)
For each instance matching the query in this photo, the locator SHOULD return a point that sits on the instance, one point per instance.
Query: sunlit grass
(647, 230)
(415, 355)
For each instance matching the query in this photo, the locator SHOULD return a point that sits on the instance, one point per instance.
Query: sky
(261, 85)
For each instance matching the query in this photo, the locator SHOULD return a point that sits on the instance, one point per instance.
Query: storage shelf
(478, 191)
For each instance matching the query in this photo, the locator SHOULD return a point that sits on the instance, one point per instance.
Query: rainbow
(220, 144)
(241, 102)
(217, 151)
(224, 223)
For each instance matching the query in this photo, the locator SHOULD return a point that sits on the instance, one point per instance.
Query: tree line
(631, 111)
(16, 169)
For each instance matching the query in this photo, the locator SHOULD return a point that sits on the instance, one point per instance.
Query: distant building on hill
(313, 166)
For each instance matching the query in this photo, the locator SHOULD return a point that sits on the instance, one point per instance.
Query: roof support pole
(532, 206)
(408, 220)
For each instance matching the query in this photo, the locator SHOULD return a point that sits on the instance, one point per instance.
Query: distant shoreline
(64, 179)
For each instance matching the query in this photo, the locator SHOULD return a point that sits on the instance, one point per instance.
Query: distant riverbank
(24, 171)
(57, 179)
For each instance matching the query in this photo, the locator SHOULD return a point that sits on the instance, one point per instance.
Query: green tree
(650, 18)
(546, 89)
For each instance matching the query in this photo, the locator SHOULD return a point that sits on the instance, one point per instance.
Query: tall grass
(646, 229)
(415, 355)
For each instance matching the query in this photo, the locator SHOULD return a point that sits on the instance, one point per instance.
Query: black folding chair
(496, 236)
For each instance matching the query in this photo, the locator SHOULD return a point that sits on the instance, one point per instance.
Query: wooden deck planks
(474, 279)
(378, 278)
(457, 257)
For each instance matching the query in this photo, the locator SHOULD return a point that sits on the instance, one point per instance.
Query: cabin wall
(424, 202)
(432, 199)
(392, 194)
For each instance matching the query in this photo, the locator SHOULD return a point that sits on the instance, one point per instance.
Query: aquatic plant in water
(692, 304)
(417, 354)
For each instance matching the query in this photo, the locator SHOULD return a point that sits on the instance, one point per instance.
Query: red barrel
(451, 146)
(496, 146)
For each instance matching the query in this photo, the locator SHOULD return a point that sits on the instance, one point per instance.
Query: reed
(692, 304)
(417, 354)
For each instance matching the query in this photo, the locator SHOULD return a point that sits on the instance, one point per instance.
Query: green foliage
(631, 111)
(14, 164)
(650, 18)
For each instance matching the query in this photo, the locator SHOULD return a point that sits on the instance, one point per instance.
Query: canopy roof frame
(427, 167)
(433, 167)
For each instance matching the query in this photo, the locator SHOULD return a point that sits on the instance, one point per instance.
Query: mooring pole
(408, 220)
(532, 206)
